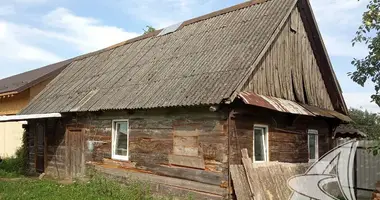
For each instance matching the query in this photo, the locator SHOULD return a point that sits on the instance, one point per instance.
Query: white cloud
(361, 100)
(338, 21)
(338, 12)
(161, 14)
(7, 10)
(85, 33)
(79, 33)
(63, 35)
(14, 48)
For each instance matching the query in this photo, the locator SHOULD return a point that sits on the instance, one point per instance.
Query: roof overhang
(8, 94)
(286, 106)
(13, 118)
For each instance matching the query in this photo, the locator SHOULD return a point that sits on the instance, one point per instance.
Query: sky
(35, 33)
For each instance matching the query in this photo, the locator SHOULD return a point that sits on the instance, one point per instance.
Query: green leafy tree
(149, 29)
(367, 122)
(368, 68)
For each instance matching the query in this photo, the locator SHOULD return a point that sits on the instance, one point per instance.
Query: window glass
(313, 144)
(121, 139)
(260, 147)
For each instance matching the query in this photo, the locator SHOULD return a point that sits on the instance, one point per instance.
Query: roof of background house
(203, 62)
(23, 81)
(348, 130)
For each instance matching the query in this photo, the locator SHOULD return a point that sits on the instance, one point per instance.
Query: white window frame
(266, 142)
(114, 156)
(313, 132)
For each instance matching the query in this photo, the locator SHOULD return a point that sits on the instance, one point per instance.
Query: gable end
(293, 68)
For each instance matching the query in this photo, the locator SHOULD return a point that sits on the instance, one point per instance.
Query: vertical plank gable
(289, 70)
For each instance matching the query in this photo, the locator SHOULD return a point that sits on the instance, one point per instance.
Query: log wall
(289, 70)
(287, 135)
(159, 141)
(162, 142)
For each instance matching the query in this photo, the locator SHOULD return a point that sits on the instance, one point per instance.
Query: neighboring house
(15, 94)
(176, 106)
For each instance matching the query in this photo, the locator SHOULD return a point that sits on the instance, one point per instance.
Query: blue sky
(34, 33)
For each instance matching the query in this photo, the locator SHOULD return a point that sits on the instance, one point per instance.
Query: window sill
(120, 158)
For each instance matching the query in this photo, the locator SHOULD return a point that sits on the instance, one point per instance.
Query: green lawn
(97, 188)
(14, 185)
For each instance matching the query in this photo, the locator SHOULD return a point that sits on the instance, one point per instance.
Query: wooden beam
(187, 161)
(162, 180)
(7, 94)
(251, 176)
(239, 179)
(201, 176)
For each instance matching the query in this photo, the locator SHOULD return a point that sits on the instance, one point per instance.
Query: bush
(11, 167)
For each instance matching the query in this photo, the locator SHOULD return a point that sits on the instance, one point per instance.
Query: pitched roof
(21, 82)
(201, 63)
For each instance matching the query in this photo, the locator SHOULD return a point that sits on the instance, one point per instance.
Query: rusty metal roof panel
(288, 106)
(201, 63)
(274, 103)
(327, 113)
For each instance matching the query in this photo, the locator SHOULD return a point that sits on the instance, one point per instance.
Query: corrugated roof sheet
(20, 82)
(274, 103)
(287, 106)
(199, 64)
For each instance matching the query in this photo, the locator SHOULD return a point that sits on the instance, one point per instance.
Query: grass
(14, 185)
(96, 188)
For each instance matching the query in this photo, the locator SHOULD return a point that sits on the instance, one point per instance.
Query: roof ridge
(185, 23)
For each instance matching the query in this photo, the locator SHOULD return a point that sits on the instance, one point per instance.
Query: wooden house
(176, 106)
(15, 94)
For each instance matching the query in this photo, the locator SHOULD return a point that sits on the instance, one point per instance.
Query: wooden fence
(367, 172)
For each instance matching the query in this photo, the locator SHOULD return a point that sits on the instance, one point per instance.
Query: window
(260, 138)
(313, 145)
(120, 140)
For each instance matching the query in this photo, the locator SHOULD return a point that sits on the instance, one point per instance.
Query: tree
(368, 68)
(367, 122)
(149, 29)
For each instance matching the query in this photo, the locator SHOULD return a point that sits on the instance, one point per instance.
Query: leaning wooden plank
(252, 177)
(180, 183)
(202, 176)
(240, 182)
(187, 161)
